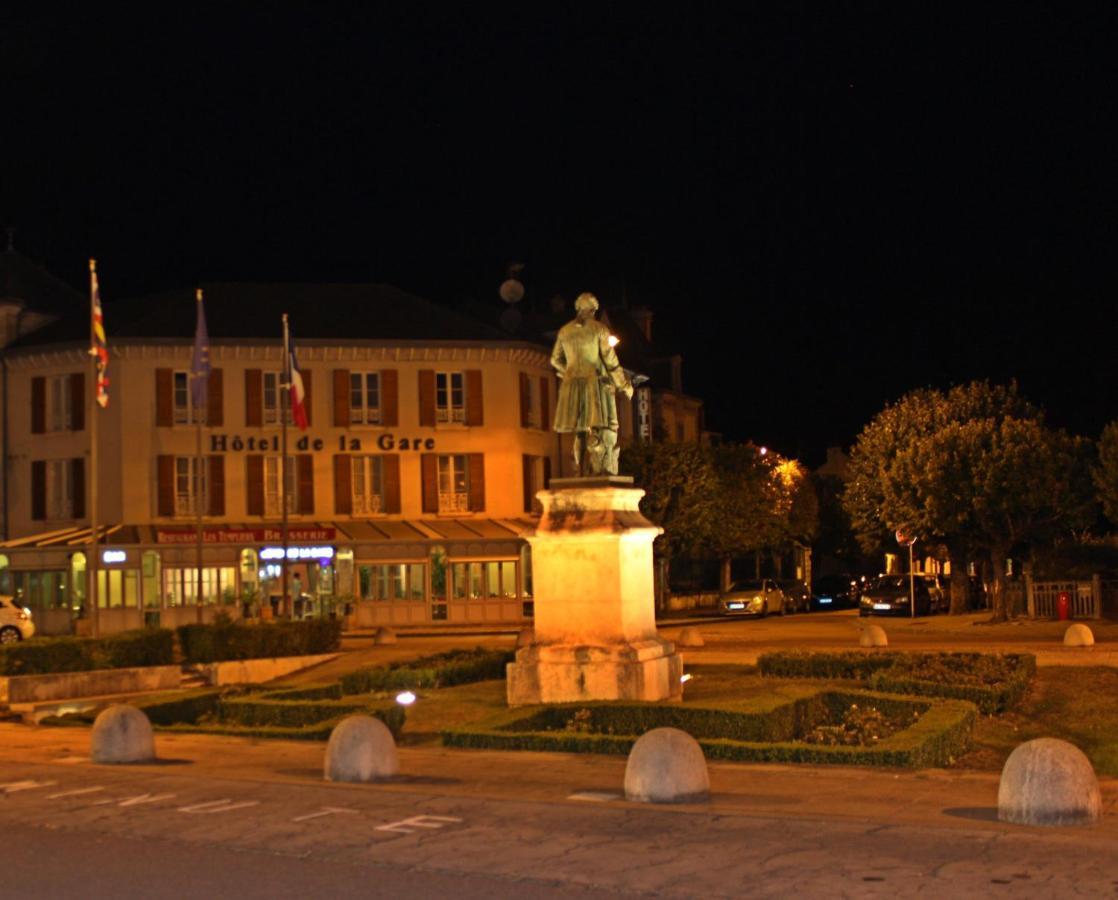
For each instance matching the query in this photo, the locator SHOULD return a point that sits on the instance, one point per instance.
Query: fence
(1086, 598)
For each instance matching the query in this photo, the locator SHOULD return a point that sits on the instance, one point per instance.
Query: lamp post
(903, 538)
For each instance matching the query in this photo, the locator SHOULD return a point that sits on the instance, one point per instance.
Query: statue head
(586, 305)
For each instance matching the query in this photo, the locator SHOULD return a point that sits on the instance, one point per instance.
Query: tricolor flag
(298, 392)
(98, 348)
(200, 361)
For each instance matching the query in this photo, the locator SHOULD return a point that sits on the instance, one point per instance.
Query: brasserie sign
(244, 535)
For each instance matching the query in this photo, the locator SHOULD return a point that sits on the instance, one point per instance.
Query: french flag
(298, 392)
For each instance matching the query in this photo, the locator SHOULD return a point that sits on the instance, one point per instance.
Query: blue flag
(200, 361)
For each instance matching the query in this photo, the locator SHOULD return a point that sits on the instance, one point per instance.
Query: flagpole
(198, 493)
(92, 417)
(285, 405)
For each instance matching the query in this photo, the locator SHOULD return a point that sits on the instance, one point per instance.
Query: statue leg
(597, 448)
(608, 437)
(578, 442)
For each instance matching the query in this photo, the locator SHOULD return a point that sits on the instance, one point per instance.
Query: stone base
(647, 670)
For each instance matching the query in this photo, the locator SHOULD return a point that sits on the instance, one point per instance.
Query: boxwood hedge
(440, 670)
(44, 656)
(234, 640)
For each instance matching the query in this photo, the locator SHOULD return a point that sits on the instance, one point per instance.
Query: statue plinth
(595, 622)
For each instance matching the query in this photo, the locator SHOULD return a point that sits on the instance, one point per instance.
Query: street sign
(904, 539)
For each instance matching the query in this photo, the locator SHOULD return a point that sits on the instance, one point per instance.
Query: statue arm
(612, 365)
(559, 358)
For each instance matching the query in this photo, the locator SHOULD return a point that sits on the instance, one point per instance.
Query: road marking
(13, 787)
(71, 760)
(144, 798)
(594, 796)
(325, 811)
(408, 826)
(216, 806)
(75, 793)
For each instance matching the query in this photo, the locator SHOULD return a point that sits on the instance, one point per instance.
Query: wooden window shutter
(392, 484)
(305, 374)
(304, 468)
(165, 484)
(546, 473)
(39, 408)
(475, 408)
(341, 399)
(525, 402)
(427, 397)
(254, 483)
(215, 401)
(545, 403)
(77, 486)
(216, 485)
(254, 407)
(164, 398)
(389, 398)
(476, 462)
(429, 464)
(77, 401)
(526, 468)
(38, 489)
(343, 476)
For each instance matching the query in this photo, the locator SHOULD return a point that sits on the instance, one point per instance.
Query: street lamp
(903, 538)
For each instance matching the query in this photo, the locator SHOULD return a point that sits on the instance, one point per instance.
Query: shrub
(440, 670)
(146, 647)
(284, 714)
(189, 707)
(311, 692)
(42, 656)
(225, 640)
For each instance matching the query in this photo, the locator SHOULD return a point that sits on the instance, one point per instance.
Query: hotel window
(60, 489)
(273, 493)
(60, 403)
(454, 484)
(450, 398)
(184, 411)
(273, 399)
(190, 485)
(364, 398)
(367, 478)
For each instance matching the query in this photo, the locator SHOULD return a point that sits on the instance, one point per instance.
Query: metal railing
(1085, 597)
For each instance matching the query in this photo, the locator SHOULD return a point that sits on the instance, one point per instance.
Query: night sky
(824, 204)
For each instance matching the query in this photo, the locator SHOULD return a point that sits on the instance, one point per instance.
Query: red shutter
(475, 409)
(77, 487)
(477, 481)
(525, 401)
(39, 411)
(165, 484)
(164, 399)
(391, 484)
(215, 401)
(427, 397)
(77, 401)
(307, 395)
(389, 398)
(38, 489)
(526, 469)
(254, 410)
(254, 484)
(341, 398)
(304, 468)
(545, 403)
(429, 464)
(216, 506)
(343, 479)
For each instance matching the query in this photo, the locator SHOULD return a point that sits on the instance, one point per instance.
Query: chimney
(642, 315)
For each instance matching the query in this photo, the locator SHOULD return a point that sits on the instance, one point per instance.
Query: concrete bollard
(525, 638)
(121, 734)
(1048, 782)
(873, 636)
(360, 748)
(690, 637)
(384, 636)
(666, 765)
(1079, 635)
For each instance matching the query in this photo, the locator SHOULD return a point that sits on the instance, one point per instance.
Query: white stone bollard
(1048, 782)
(384, 636)
(361, 748)
(873, 636)
(525, 638)
(666, 765)
(121, 734)
(1079, 635)
(690, 637)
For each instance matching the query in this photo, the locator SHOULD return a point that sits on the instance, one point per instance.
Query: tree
(1106, 472)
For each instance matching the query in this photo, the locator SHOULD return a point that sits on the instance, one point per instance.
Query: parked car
(939, 590)
(752, 598)
(15, 621)
(797, 597)
(889, 595)
(834, 592)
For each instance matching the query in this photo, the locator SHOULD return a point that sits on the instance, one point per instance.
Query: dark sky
(825, 204)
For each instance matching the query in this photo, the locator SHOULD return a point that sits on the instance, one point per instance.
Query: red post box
(1063, 606)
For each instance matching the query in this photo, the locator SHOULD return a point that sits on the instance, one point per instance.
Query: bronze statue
(590, 377)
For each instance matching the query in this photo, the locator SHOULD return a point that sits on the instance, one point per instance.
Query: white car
(15, 621)
(752, 598)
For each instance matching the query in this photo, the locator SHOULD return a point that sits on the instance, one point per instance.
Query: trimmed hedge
(311, 692)
(993, 682)
(940, 735)
(437, 671)
(233, 640)
(284, 714)
(44, 656)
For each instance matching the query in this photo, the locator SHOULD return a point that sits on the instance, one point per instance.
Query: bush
(311, 692)
(42, 656)
(440, 670)
(284, 714)
(190, 707)
(227, 640)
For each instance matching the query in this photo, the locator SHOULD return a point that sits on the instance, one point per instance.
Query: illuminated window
(368, 485)
(185, 414)
(364, 398)
(273, 492)
(394, 581)
(450, 397)
(454, 484)
(59, 404)
(190, 485)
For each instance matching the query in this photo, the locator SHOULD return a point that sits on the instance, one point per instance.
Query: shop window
(183, 404)
(367, 480)
(180, 586)
(118, 588)
(494, 580)
(273, 494)
(190, 485)
(59, 403)
(394, 581)
(364, 398)
(454, 483)
(450, 398)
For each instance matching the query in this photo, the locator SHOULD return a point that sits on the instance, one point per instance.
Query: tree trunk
(725, 579)
(998, 600)
(959, 581)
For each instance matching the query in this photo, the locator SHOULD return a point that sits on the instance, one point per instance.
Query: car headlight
(757, 601)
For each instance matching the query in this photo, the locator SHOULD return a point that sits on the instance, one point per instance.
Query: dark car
(797, 597)
(834, 592)
(888, 595)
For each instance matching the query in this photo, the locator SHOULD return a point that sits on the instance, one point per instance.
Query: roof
(24, 282)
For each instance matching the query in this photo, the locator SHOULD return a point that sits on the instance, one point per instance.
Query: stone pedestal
(595, 623)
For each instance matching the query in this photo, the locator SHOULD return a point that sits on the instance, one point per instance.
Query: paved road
(170, 830)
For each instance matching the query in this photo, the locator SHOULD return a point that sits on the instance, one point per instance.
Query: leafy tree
(1106, 472)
